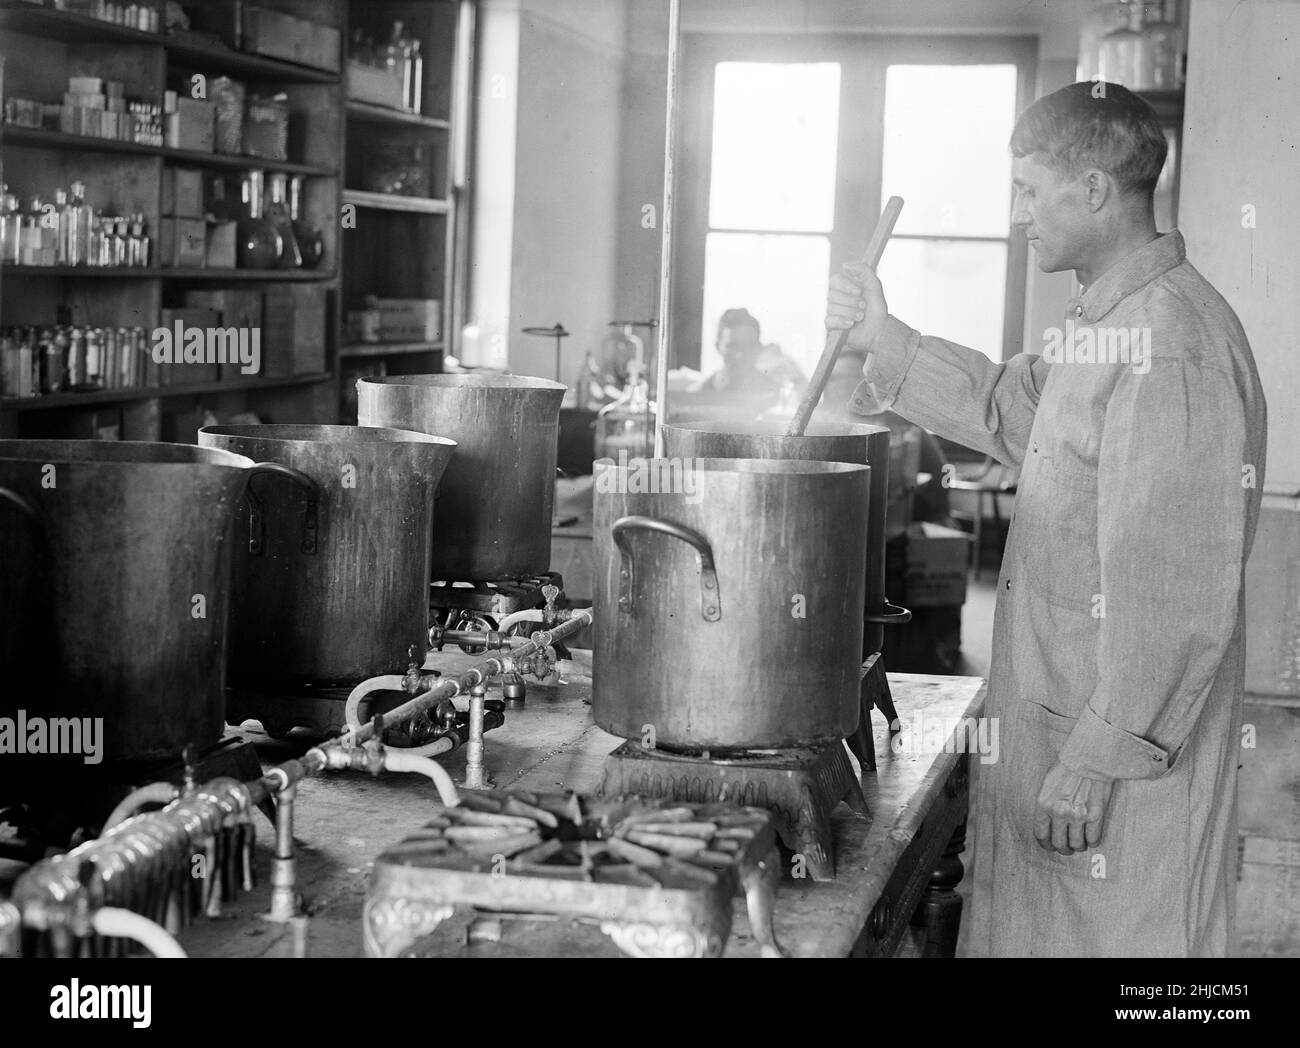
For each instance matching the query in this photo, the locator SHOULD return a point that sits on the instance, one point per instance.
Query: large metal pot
(494, 509)
(822, 442)
(134, 568)
(349, 609)
(728, 601)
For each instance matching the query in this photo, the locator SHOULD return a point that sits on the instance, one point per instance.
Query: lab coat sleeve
(1171, 518)
(954, 391)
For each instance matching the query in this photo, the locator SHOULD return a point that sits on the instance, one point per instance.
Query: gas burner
(494, 597)
(799, 787)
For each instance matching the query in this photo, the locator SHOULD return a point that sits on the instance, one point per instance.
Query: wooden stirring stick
(835, 339)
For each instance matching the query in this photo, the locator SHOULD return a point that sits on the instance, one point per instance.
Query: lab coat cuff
(891, 357)
(1101, 751)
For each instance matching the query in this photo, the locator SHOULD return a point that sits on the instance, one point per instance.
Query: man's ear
(1099, 187)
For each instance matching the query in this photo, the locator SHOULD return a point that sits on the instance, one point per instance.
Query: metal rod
(474, 775)
(666, 231)
(284, 874)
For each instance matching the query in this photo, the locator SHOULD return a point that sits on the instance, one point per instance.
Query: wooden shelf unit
(42, 48)
(409, 246)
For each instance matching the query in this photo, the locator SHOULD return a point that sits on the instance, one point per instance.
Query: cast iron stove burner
(494, 597)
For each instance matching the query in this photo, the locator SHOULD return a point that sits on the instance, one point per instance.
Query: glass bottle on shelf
(1160, 35)
(1104, 18)
(1122, 50)
(31, 233)
(627, 424)
(105, 253)
(260, 245)
(310, 241)
(11, 228)
(94, 359)
(277, 213)
(120, 241)
(74, 370)
(84, 221)
(62, 223)
(415, 97)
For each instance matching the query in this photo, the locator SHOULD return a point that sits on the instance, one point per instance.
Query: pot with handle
(349, 608)
(856, 443)
(134, 544)
(728, 601)
(497, 496)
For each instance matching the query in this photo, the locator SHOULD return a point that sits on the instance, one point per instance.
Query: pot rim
(775, 466)
(301, 433)
(119, 453)
(494, 380)
(776, 428)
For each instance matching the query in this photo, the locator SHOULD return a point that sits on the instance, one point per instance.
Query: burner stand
(799, 787)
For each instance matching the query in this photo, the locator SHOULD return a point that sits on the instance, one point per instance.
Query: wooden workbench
(904, 855)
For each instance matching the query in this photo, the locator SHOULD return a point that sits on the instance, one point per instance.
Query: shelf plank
(394, 202)
(40, 138)
(69, 27)
(216, 58)
(167, 273)
(387, 349)
(51, 401)
(196, 52)
(383, 115)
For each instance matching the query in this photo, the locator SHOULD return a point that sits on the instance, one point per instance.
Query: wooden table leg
(939, 910)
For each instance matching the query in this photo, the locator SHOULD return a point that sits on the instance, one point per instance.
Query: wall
(1234, 161)
(551, 86)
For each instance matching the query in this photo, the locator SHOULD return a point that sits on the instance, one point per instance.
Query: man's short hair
(1095, 124)
(738, 318)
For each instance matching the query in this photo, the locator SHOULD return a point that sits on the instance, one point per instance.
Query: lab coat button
(1078, 311)
(1008, 583)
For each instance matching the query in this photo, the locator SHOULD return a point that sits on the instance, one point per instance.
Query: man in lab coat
(1108, 825)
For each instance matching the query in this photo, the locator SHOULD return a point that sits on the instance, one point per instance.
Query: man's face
(739, 345)
(1053, 211)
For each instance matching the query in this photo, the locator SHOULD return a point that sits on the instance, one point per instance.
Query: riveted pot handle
(257, 512)
(893, 615)
(710, 599)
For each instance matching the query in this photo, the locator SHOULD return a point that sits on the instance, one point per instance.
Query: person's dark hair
(1095, 124)
(738, 318)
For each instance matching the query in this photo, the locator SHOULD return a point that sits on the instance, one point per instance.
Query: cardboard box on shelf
(409, 319)
(192, 126)
(937, 559)
(222, 245)
(293, 329)
(378, 87)
(182, 242)
(276, 35)
(182, 192)
(180, 372)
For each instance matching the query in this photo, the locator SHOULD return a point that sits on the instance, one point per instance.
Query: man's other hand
(856, 302)
(1071, 811)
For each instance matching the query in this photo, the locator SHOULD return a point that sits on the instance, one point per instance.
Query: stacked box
(293, 330)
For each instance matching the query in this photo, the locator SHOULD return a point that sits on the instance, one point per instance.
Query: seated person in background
(930, 500)
(748, 366)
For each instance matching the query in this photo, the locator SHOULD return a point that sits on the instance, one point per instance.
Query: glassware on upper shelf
(1121, 58)
(1104, 18)
(1162, 54)
(260, 244)
(310, 241)
(276, 212)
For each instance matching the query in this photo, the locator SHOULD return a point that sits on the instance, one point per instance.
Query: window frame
(863, 60)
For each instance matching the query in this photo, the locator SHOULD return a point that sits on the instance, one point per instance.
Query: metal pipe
(284, 877)
(113, 922)
(475, 779)
(666, 230)
(154, 793)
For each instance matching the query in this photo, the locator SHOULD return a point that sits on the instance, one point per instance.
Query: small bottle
(11, 228)
(119, 242)
(31, 233)
(105, 241)
(74, 366)
(94, 359)
(48, 368)
(277, 212)
(108, 359)
(63, 223)
(310, 241)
